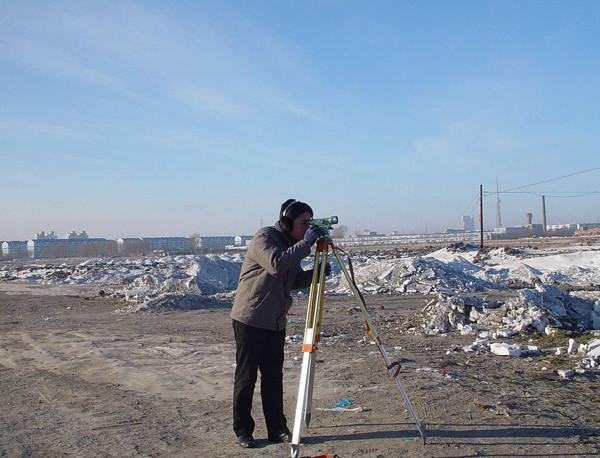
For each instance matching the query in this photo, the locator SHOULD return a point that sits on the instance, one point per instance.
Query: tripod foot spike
(423, 433)
(307, 419)
(294, 450)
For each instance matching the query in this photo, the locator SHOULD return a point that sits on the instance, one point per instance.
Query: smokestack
(529, 216)
(544, 213)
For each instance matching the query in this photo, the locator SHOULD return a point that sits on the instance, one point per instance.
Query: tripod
(312, 336)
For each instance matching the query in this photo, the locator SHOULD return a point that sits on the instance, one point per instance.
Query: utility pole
(481, 215)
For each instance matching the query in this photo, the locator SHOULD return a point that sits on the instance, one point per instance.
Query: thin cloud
(132, 50)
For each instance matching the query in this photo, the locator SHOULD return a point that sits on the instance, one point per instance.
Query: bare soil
(78, 380)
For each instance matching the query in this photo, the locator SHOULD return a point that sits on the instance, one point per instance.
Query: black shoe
(246, 441)
(284, 436)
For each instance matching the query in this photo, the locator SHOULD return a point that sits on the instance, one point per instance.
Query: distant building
(43, 236)
(242, 240)
(77, 235)
(561, 229)
(367, 233)
(241, 243)
(68, 248)
(458, 236)
(132, 245)
(208, 242)
(588, 229)
(169, 244)
(14, 249)
(140, 245)
(516, 232)
(467, 223)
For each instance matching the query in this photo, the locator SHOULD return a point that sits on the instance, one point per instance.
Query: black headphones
(284, 217)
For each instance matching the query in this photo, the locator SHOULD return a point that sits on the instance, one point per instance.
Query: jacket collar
(284, 235)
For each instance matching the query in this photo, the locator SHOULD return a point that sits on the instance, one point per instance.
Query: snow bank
(450, 273)
(422, 275)
(175, 301)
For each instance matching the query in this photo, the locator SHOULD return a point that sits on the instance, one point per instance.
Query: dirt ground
(77, 379)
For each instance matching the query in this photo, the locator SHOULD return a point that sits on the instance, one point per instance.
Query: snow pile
(204, 274)
(577, 266)
(450, 273)
(532, 310)
(214, 274)
(175, 301)
(154, 282)
(424, 275)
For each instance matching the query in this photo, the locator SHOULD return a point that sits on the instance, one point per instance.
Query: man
(270, 271)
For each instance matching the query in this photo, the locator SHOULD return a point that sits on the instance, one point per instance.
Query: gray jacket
(270, 271)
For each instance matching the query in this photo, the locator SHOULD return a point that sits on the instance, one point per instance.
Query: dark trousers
(258, 349)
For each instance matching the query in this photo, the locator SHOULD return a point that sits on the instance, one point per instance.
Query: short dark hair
(290, 210)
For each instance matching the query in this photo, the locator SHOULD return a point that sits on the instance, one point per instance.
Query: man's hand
(313, 234)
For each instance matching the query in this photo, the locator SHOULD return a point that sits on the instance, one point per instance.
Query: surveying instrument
(312, 333)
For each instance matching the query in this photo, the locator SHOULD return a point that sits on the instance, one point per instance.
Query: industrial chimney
(529, 217)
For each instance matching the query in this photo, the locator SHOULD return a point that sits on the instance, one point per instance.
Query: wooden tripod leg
(318, 319)
(312, 328)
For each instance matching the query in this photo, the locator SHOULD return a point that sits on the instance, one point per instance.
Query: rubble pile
(532, 310)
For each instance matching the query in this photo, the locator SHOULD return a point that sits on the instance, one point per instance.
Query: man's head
(294, 217)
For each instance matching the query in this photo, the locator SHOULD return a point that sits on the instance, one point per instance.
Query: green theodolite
(325, 224)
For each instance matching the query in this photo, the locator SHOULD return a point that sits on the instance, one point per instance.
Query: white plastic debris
(504, 349)
(573, 346)
(479, 343)
(488, 335)
(593, 348)
(466, 330)
(566, 373)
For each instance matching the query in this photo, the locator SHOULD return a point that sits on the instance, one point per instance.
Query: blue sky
(145, 118)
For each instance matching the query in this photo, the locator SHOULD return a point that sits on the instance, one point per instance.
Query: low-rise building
(143, 245)
(169, 244)
(588, 229)
(67, 248)
(516, 232)
(45, 236)
(242, 240)
(209, 242)
(414, 238)
(14, 249)
(77, 235)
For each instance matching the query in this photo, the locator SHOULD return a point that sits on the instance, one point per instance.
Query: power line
(549, 194)
(545, 181)
(466, 211)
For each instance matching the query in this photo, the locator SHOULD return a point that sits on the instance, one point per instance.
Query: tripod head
(325, 224)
